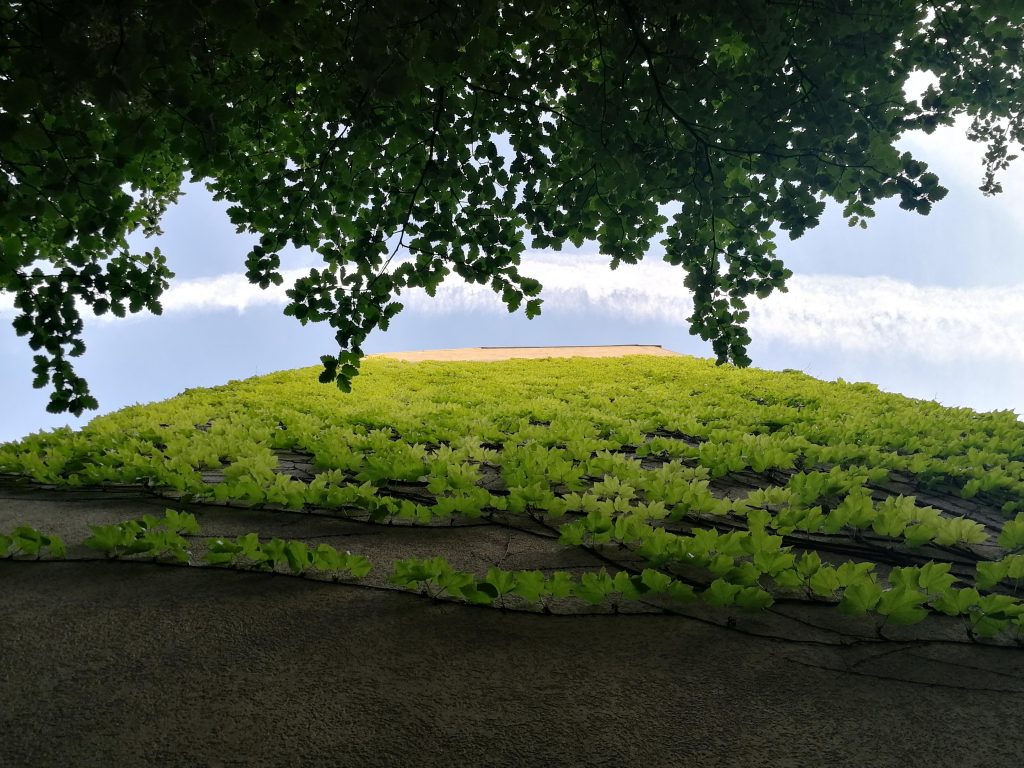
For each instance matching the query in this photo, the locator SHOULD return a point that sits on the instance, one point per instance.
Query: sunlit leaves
(902, 605)
(860, 597)
(148, 535)
(26, 540)
(609, 454)
(1012, 535)
(294, 555)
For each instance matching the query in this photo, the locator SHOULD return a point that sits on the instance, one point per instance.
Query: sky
(928, 306)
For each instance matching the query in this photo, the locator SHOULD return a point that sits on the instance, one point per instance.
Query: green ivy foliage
(734, 487)
(365, 130)
(26, 540)
(149, 535)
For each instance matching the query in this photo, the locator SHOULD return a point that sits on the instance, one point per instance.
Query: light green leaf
(824, 582)
(754, 599)
(1012, 535)
(809, 564)
(594, 587)
(956, 602)
(55, 544)
(529, 585)
(27, 539)
(560, 584)
(219, 558)
(357, 565)
(789, 579)
(902, 605)
(990, 573)
(935, 577)
(502, 581)
(681, 592)
(721, 593)
(655, 581)
(860, 598)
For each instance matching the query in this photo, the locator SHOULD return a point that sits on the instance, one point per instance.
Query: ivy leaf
(990, 573)
(681, 592)
(476, 593)
(1012, 535)
(459, 584)
(902, 605)
(560, 584)
(1001, 606)
(851, 572)
(181, 522)
(920, 533)
(358, 565)
(272, 553)
(987, 626)
(721, 593)
(27, 539)
(529, 585)
(105, 538)
(956, 602)
(935, 577)
(754, 599)
(824, 582)
(655, 581)
(572, 534)
(408, 573)
(773, 563)
(810, 563)
(594, 587)
(1015, 567)
(502, 581)
(250, 548)
(326, 558)
(219, 558)
(860, 598)
(789, 579)
(54, 544)
(628, 586)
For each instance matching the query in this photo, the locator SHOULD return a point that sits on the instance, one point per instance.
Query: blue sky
(932, 307)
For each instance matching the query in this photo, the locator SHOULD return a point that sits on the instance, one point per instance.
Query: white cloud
(651, 290)
(872, 315)
(890, 317)
(232, 291)
(848, 314)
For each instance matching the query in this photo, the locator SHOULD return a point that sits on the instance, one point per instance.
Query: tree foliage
(371, 133)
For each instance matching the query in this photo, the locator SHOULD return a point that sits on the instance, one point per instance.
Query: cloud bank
(871, 315)
(874, 315)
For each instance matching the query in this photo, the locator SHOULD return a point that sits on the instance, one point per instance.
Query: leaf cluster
(26, 540)
(409, 143)
(148, 535)
(248, 550)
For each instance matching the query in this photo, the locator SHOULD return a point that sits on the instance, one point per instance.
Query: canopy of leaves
(368, 130)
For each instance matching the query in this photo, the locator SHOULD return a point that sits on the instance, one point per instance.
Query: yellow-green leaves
(902, 605)
(26, 540)
(670, 466)
(148, 535)
(1012, 535)
(295, 555)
